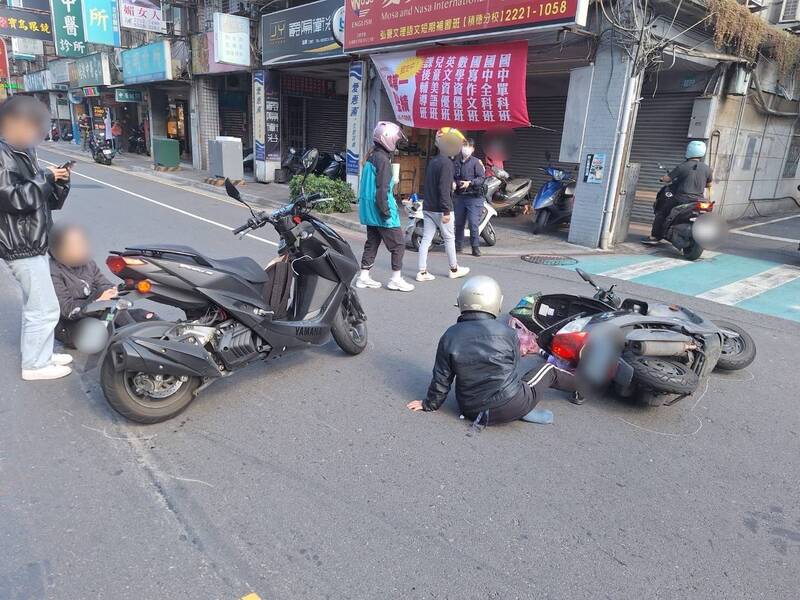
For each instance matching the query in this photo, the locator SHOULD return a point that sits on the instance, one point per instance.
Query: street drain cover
(551, 260)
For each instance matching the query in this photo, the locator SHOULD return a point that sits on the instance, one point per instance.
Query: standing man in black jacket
(469, 177)
(482, 355)
(27, 195)
(437, 204)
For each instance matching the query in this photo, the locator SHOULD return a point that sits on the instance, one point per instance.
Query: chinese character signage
(68, 33)
(141, 14)
(90, 70)
(355, 118)
(39, 81)
(26, 48)
(301, 33)
(259, 126)
(60, 70)
(101, 22)
(18, 22)
(152, 62)
(389, 23)
(469, 87)
(272, 115)
(123, 95)
(231, 39)
(203, 62)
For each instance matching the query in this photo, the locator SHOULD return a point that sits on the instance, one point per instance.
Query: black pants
(392, 238)
(65, 330)
(662, 212)
(534, 382)
(468, 210)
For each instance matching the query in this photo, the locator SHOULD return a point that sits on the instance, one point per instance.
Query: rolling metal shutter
(326, 124)
(658, 138)
(530, 145)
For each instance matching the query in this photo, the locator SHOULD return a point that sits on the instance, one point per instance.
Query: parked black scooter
(236, 311)
(332, 166)
(102, 152)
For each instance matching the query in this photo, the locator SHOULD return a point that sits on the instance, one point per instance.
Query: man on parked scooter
(689, 181)
(469, 177)
(482, 355)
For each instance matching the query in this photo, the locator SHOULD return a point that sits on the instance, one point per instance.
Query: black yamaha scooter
(236, 311)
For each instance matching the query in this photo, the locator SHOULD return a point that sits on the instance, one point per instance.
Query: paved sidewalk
(513, 234)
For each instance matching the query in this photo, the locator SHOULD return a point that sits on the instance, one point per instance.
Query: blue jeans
(468, 211)
(40, 310)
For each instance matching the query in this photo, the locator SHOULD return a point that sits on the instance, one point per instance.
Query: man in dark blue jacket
(469, 177)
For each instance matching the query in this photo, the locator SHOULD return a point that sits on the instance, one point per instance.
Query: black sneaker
(476, 251)
(577, 398)
(650, 241)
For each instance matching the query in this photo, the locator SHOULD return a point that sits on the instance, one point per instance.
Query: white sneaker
(425, 276)
(460, 272)
(48, 372)
(399, 285)
(369, 282)
(62, 360)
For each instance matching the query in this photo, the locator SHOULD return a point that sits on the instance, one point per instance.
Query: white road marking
(763, 236)
(167, 206)
(651, 266)
(752, 286)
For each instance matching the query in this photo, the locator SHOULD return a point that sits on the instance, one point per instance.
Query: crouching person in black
(78, 282)
(482, 355)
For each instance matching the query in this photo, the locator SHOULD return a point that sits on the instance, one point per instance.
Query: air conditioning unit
(790, 11)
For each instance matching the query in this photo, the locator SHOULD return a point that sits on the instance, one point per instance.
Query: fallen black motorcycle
(653, 351)
(236, 311)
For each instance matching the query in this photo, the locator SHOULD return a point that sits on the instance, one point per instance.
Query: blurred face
(21, 133)
(468, 150)
(74, 249)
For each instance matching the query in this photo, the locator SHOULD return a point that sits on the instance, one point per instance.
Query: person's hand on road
(415, 405)
(59, 173)
(109, 294)
(446, 219)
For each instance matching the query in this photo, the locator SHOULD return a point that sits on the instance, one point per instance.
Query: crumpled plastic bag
(527, 339)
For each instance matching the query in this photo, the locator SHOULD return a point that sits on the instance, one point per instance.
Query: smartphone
(68, 165)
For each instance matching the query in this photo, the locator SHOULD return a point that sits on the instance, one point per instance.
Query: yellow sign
(409, 67)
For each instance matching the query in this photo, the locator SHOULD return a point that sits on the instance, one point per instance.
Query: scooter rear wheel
(693, 252)
(489, 235)
(170, 396)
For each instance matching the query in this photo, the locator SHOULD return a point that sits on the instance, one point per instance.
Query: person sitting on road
(78, 282)
(689, 180)
(482, 354)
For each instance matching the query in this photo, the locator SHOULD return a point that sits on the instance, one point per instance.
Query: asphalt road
(307, 478)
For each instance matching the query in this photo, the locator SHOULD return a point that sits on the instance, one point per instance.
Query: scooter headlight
(558, 175)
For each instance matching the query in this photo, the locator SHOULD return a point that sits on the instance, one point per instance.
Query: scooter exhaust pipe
(651, 348)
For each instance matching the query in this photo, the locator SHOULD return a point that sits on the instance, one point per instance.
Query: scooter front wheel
(541, 221)
(144, 397)
(489, 235)
(349, 331)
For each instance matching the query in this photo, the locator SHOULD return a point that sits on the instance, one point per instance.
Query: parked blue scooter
(552, 204)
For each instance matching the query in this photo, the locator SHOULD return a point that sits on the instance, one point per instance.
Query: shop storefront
(154, 70)
(301, 48)
(483, 84)
(88, 77)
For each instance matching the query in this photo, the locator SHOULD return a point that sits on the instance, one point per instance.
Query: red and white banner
(468, 87)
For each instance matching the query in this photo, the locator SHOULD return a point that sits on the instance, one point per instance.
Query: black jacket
(482, 354)
(77, 287)
(27, 195)
(438, 191)
(471, 170)
(382, 161)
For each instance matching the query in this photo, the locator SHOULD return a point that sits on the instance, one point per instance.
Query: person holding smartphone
(28, 195)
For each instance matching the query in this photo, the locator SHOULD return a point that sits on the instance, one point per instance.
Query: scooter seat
(241, 266)
(516, 184)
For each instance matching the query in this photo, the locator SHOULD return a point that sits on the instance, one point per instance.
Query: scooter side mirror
(586, 277)
(232, 191)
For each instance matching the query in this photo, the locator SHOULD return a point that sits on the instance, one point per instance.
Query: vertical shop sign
(101, 21)
(231, 39)
(272, 115)
(259, 126)
(69, 34)
(4, 71)
(355, 121)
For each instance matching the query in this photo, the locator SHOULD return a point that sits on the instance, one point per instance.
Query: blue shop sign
(152, 62)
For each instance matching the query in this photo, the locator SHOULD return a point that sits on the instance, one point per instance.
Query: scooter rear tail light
(704, 206)
(117, 264)
(567, 346)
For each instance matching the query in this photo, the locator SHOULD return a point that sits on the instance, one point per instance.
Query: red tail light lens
(567, 346)
(117, 264)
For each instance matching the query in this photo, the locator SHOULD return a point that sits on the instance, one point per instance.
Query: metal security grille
(659, 138)
(326, 128)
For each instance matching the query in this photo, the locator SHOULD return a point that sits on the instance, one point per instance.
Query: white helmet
(480, 294)
(388, 135)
